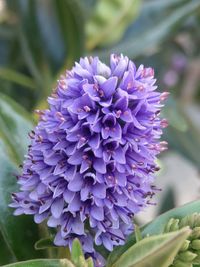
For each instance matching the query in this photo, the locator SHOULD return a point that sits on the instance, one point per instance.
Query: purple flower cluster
(91, 161)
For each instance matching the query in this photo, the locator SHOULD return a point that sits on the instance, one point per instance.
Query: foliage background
(39, 39)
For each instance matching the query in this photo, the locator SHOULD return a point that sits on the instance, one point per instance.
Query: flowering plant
(90, 179)
(91, 163)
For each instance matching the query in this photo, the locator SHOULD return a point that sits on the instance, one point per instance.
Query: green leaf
(167, 201)
(15, 125)
(182, 134)
(159, 250)
(155, 32)
(19, 78)
(71, 19)
(155, 227)
(89, 262)
(58, 23)
(42, 263)
(18, 233)
(138, 235)
(76, 253)
(44, 243)
(101, 28)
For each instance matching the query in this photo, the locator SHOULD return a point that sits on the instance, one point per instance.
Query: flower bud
(179, 263)
(195, 244)
(187, 256)
(195, 233)
(172, 225)
(185, 246)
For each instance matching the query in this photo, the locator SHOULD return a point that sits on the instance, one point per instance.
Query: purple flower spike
(92, 154)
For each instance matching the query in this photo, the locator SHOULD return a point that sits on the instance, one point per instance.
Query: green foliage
(77, 256)
(168, 201)
(44, 243)
(43, 263)
(189, 253)
(164, 23)
(13, 231)
(38, 41)
(15, 125)
(154, 227)
(101, 28)
(159, 250)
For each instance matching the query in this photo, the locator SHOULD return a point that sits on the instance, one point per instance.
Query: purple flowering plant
(91, 163)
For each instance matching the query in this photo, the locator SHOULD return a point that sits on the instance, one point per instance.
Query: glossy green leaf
(42, 263)
(159, 250)
(15, 77)
(19, 233)
(154, 33)
(15, 124)
(155, 227)
(101, 28)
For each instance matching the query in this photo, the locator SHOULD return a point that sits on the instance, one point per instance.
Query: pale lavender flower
(90, 166)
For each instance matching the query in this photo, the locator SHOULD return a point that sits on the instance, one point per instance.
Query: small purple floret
(91, 163)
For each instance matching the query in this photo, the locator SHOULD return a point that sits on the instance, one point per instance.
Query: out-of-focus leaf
(15, 124)
(181, 134)
(5, 251)
(174, 115)
(13, 76)
(155, 227)
(135, 45)
(19, 233)
(107, 16)
(158, 250)
(168, 201)
(88, 6)
(59, 27)
(71, 19)
(44, 243)
(138, 235)
(42, 263)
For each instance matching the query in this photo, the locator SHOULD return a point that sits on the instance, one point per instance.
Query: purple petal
(119, 155)
(100, 166)
(76, 158)
(68, 196)
(127, 116)
(78, 227)
(75, 185)
(75, 204)
(97, 213)
(94, 142)
(109, 86)
(57, 207)
(99, 190)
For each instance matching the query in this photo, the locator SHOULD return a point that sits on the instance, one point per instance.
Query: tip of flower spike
(164, 123)
(164, 96)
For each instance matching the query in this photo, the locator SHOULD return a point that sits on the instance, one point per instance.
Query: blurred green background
(39, 39)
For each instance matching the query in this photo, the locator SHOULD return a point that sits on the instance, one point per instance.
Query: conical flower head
(92, 154)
